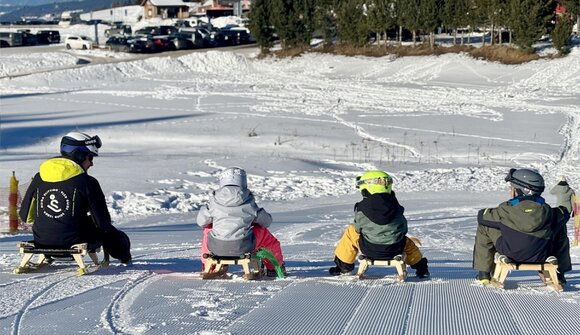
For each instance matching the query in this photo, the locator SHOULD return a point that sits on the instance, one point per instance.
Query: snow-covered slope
(448, 128)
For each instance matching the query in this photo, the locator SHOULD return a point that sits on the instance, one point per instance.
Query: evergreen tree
(261, 24)
(294, 22)
(562, 34)
(448, 17)
(528, 21)
(409, 16)
(325, 20)
(572, 7)
(429, 18)
(307, 20)
(380, 17)
(455, 16)
(352, 25)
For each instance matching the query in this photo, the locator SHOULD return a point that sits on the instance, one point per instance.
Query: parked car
(79, 42)
(187, 40)
(141, 44)
(48, 36)
(182, 24)
(10, 39)
(148, 30)
(210, 38)
(180, 42)
(163, 43)
(118, 43)
(157, 30)
(121, 29)
(233, 35)
(28, 38)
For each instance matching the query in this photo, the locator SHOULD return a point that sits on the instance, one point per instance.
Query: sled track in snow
(112, 312)
(26, 307)
(19, 281)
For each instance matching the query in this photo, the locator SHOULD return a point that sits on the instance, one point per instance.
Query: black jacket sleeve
(561, 217)
(29, 199)
(98, 205)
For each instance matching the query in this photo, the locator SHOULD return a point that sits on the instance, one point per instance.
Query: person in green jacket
(379, 229)
(525, 228)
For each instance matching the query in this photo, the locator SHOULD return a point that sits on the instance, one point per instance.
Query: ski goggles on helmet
(95, 140)
(387, 181)
(510, 175)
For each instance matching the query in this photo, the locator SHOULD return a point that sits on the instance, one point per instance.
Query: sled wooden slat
(548, 272)
(397, 263)
(76, 252)
(214, 265)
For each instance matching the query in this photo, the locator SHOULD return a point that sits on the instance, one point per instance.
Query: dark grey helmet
(523, 179)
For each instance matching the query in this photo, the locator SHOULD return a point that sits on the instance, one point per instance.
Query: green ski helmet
(375, 181)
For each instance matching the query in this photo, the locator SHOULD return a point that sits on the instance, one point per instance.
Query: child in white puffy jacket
(234, 224)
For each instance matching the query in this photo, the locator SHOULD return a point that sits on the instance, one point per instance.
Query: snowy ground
(448, 128)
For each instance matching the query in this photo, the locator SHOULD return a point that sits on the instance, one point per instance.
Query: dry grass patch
(497, 53)
(503, 54)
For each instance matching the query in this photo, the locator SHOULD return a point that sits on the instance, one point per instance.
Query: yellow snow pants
(347, 248)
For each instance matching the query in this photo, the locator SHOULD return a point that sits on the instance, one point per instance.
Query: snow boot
(483, 277)
(421, 268)
(561, 279)
(273, 273)
(341, 268)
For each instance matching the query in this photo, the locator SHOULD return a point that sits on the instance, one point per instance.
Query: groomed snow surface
(447, 128)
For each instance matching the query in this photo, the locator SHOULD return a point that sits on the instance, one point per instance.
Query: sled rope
(267, 254)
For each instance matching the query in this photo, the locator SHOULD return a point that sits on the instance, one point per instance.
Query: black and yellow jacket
(380, 221)
(527, 224)
(59, 201)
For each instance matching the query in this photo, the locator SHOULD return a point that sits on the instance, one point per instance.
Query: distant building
(217, 8)
(166, 9)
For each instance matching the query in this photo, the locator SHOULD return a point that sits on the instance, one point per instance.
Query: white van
(69, 17)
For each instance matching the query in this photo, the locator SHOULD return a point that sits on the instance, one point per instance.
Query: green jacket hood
(59, 169)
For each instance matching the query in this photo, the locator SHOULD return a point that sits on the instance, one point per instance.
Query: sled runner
(216, 266)
(547, 271)
(48, 255)
(397, 262)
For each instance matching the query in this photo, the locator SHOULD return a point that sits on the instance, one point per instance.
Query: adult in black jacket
(524, 228)
(67, 206)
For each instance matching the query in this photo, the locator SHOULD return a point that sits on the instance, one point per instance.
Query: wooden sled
(47, 256)
(216, 266)
(397, 262)
(548, 271)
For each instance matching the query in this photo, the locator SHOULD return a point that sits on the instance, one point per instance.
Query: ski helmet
(78, 146)
(233, 176)
(375, 181)
(528, 181)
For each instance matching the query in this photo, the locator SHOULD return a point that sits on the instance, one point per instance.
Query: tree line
(352, 22)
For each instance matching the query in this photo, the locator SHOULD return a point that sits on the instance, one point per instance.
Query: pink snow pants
(264, 239)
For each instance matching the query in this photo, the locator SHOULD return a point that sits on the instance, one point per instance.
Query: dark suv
(157, 30)
(119, 29)
(48, 36)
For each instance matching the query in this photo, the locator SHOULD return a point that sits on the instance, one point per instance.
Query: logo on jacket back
(54, 203)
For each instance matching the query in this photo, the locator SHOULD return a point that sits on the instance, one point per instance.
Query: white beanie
(233, 176)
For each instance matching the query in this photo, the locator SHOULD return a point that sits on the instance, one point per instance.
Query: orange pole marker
(12, 204)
